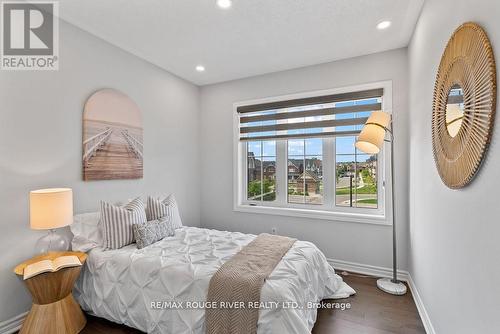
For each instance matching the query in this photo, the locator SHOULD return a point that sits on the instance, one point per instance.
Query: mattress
(161, 288)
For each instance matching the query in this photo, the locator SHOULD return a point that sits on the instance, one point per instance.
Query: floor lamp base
(394, 288)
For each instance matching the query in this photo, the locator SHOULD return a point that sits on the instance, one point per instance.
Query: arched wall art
(112, 137)
(464, 105)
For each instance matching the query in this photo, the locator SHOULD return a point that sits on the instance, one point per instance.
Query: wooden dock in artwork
(112, 154)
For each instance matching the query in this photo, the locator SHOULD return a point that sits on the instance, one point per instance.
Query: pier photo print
(112, 137)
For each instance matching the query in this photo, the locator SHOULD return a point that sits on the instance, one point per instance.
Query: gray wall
(362, 243)
(41, 138)
(454, 248)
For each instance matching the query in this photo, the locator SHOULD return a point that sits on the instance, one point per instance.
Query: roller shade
(320, 116)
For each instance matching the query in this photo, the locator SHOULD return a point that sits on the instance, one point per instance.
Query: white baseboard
(13, 324)
(420, 307)
(367, 269)
(376, 271)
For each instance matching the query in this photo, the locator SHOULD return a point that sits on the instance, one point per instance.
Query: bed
(157, 289)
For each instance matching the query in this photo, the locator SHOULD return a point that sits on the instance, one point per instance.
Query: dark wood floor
(372, 312)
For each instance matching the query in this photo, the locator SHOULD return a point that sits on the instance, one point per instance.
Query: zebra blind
(319, 116)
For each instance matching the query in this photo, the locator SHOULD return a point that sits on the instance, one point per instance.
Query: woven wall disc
(468, 63)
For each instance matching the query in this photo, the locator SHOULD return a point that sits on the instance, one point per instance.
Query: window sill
(314, 214)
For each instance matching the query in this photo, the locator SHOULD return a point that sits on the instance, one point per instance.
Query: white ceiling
(252, 37)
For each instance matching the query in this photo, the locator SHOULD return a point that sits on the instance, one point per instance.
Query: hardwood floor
(101, 326)
(372, 312)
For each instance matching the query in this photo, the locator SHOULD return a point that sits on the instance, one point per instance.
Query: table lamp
(371, 140)
(51, 209)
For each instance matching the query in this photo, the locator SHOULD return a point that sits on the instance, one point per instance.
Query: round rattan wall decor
(464, 105)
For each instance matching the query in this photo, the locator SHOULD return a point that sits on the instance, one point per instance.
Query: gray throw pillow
(152, 231)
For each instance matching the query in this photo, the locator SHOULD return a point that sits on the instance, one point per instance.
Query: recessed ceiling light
(200, 68)
(224, 4)
(383, 25)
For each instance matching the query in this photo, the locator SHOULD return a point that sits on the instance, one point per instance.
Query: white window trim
(327, 211)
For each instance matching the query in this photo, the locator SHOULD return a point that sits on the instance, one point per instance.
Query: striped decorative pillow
(117, 222)
(157, 209)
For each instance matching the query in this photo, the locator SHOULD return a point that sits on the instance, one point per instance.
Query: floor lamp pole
(392, 286)
(394, 248)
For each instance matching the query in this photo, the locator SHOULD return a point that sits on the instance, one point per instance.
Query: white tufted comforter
(121, 285)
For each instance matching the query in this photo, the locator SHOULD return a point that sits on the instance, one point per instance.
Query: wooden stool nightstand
(54, 310)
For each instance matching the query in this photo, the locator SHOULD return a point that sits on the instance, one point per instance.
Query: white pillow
(158, 208)
(86, 231)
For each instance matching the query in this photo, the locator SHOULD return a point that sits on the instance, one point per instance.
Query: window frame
(328, 210)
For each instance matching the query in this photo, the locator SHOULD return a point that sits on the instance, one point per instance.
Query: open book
(45, 266)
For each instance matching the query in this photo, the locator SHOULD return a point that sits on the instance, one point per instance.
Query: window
(305, 171)
(356, 176)
(297, 156)
(261, 166)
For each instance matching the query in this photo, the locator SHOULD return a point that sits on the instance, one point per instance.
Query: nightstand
(54, 310)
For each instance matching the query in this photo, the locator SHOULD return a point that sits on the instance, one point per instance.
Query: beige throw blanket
(238, 282)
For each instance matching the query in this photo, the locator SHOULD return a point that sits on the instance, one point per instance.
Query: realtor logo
(30, 35)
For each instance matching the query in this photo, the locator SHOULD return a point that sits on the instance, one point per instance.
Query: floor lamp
(370, 141)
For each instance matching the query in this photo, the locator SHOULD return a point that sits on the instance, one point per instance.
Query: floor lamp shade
(51, 208)
(371, 138)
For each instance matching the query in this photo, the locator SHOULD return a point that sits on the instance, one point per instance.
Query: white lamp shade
(51, 208)
(371, 138)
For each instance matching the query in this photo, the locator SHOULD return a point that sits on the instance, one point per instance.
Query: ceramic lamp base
(51, 242)
(394, 288)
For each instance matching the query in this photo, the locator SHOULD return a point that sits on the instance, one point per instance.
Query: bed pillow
(158, 208)
(86, 232)
(117, 222)
(152, 231)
